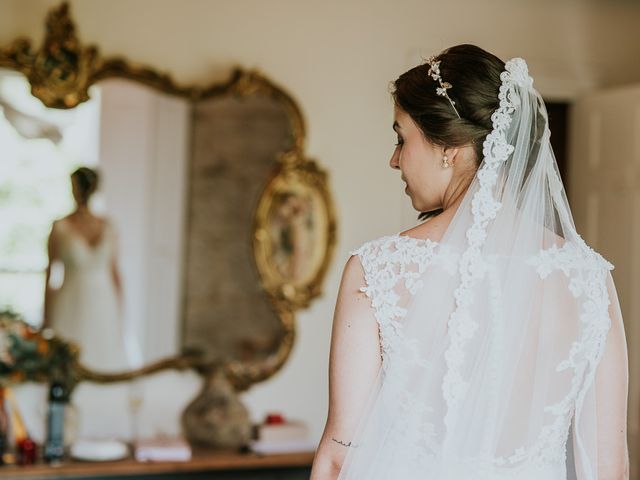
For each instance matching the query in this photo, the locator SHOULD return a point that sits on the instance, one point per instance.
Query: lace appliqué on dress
(586, 271)
(393, 266)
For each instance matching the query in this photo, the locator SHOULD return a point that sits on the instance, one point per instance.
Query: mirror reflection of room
(42, 148)
(127, 193)
(183, 185)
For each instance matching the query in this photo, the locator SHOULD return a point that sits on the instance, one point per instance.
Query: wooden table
(210, 465)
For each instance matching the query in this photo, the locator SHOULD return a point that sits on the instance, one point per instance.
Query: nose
(394, 162)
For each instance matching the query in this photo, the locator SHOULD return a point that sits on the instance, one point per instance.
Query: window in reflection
(40, 147)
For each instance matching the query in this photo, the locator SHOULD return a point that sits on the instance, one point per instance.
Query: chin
(422, 208)
(416, 203)
(416, 206)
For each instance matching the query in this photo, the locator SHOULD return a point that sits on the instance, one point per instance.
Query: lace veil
(492, 337)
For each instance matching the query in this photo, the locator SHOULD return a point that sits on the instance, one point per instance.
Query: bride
(487, 342)
(87, 306)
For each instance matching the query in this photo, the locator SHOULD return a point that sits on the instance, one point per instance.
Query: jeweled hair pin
(434, 72)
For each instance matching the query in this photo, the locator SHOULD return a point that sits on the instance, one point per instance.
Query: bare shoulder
(351, 293)
(431, 229)
(353, 272)
(104, 221)
(62, 220)
(57, 224)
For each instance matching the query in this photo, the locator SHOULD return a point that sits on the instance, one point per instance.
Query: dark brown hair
(475, 78)
(86, 182)
(474, 75)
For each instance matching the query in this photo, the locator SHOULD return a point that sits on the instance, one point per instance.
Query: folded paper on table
(292, 430)
(162, 450)
(282, 446)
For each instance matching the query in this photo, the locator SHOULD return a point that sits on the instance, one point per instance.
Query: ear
(462, 155)
(452, 154)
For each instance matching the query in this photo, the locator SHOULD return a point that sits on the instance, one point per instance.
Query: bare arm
(354, 362)
(52, 252)
(611, 385)
(115, 274)
(115, 270)
(612, 388)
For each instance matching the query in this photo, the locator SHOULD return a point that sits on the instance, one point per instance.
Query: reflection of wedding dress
(85, 308)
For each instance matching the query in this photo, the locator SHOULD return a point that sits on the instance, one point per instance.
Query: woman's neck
(82, 210)
(465, 170)
(454, 195)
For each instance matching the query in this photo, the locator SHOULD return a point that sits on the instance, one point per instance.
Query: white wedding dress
(491, 337)
(393, 266)
(85, 308)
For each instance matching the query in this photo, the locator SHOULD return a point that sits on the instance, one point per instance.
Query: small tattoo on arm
(343, 443)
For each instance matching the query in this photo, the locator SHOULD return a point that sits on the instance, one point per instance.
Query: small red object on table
(26, 451)
(274, 418)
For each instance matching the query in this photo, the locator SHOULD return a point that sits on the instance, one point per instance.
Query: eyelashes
(400, 142)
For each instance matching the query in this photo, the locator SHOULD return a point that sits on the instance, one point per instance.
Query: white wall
(144, 138)
(605, 181)
(336, 57)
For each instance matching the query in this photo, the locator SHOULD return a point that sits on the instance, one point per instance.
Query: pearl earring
(445, 161)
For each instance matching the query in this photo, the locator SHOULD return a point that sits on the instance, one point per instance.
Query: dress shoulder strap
(377, 257)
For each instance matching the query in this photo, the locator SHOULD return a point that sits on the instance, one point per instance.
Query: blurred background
(335, 59)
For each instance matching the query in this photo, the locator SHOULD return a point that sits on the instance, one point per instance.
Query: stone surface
(216, 417)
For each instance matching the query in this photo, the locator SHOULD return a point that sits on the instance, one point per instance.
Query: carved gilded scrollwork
(294, 224)
(61, 71)
(295, 232)
(244, 374)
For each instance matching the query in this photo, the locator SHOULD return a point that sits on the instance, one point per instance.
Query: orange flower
(43, 346)
(29, 333)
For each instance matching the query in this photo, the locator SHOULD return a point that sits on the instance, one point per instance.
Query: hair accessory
(434, 72)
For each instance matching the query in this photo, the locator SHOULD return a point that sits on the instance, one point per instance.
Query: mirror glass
(178, 184)
(236, 143)
(40, 149)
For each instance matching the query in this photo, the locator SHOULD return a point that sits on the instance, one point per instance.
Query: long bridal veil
(496, 345)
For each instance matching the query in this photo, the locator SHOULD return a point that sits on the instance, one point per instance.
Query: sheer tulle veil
(494, 353)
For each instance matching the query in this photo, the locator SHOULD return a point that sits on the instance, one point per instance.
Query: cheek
(431, 169)
(418, 167)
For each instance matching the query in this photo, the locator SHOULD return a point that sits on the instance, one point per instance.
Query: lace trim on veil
(484, 206)
(585, 268)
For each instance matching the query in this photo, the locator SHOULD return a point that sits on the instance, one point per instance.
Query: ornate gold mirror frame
(60, 73)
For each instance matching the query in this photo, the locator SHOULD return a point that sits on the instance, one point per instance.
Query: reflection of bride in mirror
(86, 307)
